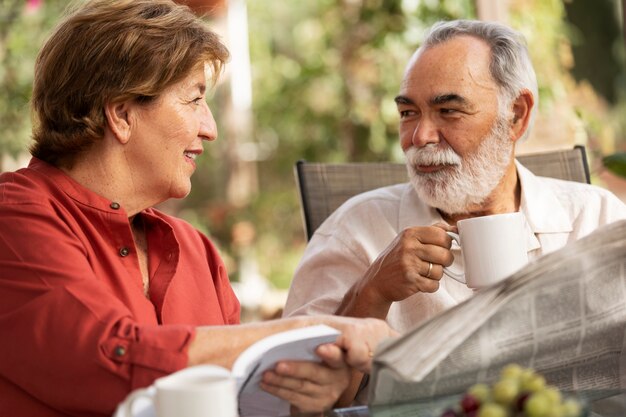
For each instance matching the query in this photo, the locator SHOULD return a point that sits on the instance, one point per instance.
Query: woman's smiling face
(167, 136)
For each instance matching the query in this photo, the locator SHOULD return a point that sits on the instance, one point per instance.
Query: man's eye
(197, 100)
(406, 113)
(448, 111)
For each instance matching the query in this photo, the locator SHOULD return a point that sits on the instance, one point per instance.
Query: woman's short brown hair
(110, 51)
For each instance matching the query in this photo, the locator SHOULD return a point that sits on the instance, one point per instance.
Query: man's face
(457, 144)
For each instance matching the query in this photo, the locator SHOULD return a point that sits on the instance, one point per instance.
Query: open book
(564, 315)
(290, 345)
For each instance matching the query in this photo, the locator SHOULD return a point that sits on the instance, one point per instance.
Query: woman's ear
(118, 120)
(522, 110)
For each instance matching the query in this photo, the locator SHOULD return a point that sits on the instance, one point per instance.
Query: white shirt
(345, 245)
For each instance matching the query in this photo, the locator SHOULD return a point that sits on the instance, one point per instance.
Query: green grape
(571, 408)
(553, 394)
(537, 405)
(511, 371)
(533, 383)
(481, 392)
(505, 391)
(555, 411)
(526, 374)
(492, 410)
(520, 392)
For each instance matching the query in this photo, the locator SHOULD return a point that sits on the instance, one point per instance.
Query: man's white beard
(464, 182)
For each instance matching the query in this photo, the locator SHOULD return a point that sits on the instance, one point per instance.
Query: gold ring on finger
(430, 269)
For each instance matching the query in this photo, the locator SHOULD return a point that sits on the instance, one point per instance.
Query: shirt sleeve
(334, 260)
(67, 340)
(613, 209)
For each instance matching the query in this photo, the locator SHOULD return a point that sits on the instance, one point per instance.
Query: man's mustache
(432, 155)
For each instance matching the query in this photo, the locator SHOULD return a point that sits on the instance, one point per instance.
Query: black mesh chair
(323, 186)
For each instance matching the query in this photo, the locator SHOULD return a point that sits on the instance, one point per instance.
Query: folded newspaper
(563, 314)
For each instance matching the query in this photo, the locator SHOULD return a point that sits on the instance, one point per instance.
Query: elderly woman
(99, 292)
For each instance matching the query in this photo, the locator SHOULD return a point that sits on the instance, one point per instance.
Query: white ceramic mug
(201, 391)
(493, 248)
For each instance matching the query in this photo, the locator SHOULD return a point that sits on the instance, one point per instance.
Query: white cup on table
(493, 248)
(201, 391)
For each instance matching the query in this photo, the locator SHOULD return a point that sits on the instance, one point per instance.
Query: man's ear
(522, 110)
(118, 120)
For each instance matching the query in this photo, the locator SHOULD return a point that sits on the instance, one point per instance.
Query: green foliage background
(21, 35)
(324, 76)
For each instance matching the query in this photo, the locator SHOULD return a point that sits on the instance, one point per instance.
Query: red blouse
(77, 333)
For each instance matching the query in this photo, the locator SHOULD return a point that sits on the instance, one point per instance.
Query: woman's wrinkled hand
(359, 339)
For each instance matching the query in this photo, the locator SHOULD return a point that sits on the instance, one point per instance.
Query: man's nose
(425, 132)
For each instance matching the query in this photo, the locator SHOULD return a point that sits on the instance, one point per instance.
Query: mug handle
(457, 276)
(128, 404)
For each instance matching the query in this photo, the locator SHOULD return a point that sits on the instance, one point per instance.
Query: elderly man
(468, 96)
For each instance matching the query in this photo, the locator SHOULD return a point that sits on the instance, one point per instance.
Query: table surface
(601, 404)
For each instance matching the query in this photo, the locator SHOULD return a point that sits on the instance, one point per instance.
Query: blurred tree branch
(9, 12)
(624, 20)
(23, 28)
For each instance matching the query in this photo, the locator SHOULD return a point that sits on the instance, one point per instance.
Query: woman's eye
(197, 100)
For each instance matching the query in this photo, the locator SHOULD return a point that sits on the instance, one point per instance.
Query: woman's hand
(310, 387)
(359, 338)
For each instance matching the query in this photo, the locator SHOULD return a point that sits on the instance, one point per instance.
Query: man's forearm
(361, 302)
(349, 395)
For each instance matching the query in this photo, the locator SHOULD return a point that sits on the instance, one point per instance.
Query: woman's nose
(208, 127)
